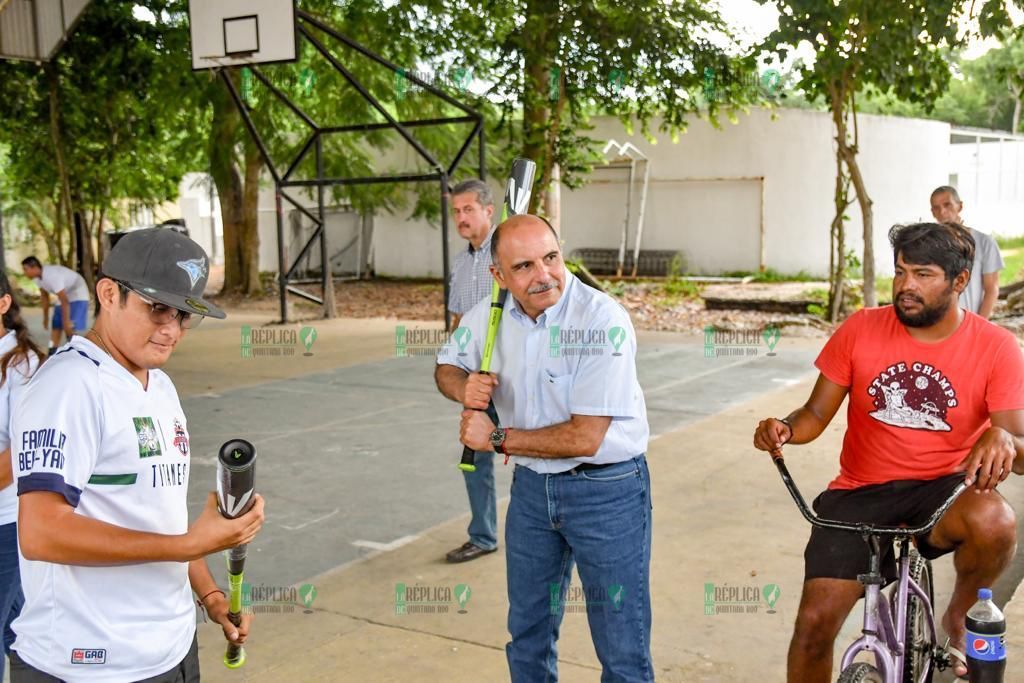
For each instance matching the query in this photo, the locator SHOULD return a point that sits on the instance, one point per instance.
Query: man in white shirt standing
(983, 288)
(574, 421)
(72, 310)
(100, 451)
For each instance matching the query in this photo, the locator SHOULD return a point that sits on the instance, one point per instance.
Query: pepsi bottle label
(986, 648)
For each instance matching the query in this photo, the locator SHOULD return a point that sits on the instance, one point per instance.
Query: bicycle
(905, 651)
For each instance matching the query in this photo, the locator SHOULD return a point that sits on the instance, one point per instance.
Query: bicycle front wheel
(861, 672)
(919, 637)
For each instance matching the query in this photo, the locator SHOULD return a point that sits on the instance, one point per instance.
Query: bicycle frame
(886, 640)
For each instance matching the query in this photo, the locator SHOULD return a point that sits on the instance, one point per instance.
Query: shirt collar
(551, 315)
(485, 245)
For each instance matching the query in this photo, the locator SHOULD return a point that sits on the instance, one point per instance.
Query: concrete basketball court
(358, 459)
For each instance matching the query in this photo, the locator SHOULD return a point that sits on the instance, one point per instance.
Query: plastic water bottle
(986, 640)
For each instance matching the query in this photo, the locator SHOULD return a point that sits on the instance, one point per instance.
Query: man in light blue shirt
(471, 281)
(574, 423)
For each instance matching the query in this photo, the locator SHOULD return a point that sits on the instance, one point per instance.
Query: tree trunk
(64, 220)
(866, 212)
(544, 90)
(837, 245)
(1018, 96)
(224, 169)
(553, 199)
(249, 240)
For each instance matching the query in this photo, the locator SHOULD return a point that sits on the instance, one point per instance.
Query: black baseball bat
(236, 480)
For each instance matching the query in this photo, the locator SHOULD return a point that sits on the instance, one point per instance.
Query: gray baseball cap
(163, 265)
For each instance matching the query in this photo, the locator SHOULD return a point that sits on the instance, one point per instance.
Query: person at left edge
(19, 359)
(100, 448)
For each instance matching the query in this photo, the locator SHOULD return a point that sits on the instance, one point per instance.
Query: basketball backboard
(239, 32)
(35, 29)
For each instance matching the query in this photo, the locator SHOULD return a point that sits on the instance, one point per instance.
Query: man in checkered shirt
(473, 208)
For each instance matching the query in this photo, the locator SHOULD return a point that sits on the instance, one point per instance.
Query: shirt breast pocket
(554, 397)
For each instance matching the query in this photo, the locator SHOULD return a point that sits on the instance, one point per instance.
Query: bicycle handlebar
(861, 528)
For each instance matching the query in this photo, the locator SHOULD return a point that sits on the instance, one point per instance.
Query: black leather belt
(589, 467)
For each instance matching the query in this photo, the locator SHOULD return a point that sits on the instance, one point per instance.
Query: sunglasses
(162, 314)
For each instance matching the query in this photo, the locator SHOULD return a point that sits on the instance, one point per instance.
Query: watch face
(497, 437)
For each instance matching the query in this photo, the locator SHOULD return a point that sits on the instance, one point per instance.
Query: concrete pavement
(721, 517)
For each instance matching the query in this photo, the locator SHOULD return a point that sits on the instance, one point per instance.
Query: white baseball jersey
(56, 279)
(87, 430)
(10, 391)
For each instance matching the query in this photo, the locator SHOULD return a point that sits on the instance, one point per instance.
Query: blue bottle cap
(984, 593)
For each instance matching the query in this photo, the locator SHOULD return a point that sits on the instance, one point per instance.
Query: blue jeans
(11, 598)
(601, 521)
(483, 502)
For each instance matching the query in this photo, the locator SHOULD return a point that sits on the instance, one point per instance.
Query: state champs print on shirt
(914, 396)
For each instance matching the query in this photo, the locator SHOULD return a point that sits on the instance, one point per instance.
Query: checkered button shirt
(471, 278)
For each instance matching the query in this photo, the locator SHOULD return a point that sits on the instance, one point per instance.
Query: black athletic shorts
(833, 554)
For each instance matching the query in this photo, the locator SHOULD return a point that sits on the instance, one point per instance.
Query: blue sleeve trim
(47, 481)
(80, 352)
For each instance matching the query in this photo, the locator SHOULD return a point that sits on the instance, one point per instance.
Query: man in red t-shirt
(936, 398)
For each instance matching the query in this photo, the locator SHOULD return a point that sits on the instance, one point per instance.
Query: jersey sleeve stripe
(113, 479)
(47, 481)
(80, 352)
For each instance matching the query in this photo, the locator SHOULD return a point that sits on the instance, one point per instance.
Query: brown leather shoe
(466, 552)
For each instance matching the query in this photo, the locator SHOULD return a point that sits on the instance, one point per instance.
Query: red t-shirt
(916, 409)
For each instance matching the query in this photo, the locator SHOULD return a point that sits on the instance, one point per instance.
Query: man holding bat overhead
(574, 422)
(101, 455)
(473, 209)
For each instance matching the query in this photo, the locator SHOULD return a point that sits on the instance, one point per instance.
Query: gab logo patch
(83, 655)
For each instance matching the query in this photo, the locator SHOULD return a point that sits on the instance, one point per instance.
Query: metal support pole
(625, 224)
(483, 152)
(325, 256)
(282, 258)
(444, 248)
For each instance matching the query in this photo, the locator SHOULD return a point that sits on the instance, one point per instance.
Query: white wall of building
(709, 190)
(989, 175)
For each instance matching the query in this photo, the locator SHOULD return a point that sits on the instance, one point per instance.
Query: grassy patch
(772, 275)
(883, 290)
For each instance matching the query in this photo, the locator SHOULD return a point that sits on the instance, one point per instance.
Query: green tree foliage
(899, 48)
(99, 124)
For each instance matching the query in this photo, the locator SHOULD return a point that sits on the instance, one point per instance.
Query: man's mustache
(538, 289)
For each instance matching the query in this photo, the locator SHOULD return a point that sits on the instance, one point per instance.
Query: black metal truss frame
(283, 181)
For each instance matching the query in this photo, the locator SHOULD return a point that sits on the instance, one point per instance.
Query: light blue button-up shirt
(578, 357)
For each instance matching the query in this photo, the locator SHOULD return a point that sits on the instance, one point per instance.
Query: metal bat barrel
(236, 477)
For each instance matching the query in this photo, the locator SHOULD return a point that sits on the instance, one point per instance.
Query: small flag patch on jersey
(81, 655)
